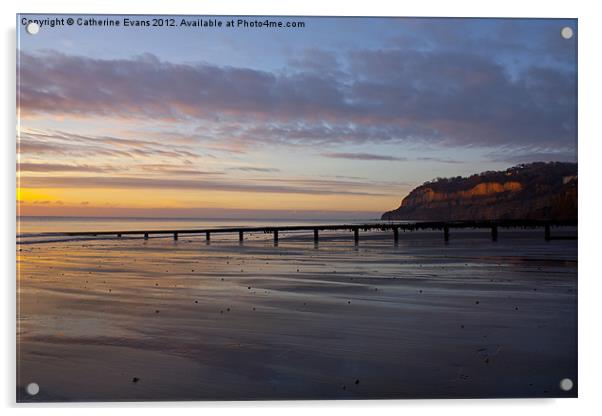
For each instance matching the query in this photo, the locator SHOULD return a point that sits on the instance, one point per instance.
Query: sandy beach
(186, 320)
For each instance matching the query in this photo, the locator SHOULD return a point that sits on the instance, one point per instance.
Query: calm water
(33, 229)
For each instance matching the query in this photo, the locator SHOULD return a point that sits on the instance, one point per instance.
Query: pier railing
(394, 227)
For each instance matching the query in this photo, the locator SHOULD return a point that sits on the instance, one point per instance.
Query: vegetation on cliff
(529, 191)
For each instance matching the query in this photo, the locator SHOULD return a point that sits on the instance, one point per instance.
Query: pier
(447, 228)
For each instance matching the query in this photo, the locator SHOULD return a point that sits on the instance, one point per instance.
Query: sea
(38, 229)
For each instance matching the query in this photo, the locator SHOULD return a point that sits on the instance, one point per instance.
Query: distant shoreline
(281, 219)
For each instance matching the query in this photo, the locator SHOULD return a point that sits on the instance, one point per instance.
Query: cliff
(532, 191)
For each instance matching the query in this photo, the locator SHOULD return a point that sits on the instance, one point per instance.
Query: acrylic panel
(267, 208)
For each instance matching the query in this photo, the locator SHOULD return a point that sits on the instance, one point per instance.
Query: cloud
(164, 168)
(298, 134)
(439, 160)
(469, 99)
(361, 156)
(446, 97)
(289, 187)
(40, 202)
(255, 169)
(57, 142)
(528, 154)
(55, 167)
(151, 88)
(318, 61)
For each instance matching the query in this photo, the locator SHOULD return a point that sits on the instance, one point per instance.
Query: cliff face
(533, 191)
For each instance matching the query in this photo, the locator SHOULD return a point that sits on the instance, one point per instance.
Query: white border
(590, 137)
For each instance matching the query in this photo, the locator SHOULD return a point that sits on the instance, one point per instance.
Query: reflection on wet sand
(165, 320)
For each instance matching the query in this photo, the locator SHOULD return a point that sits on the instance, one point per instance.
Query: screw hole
(566, 384)
(566, 32)
(33, 389)
(32, 28)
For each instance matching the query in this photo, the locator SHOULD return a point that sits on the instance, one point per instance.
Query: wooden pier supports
(494, 233)
(492, 225)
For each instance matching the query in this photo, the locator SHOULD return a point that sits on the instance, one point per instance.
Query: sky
(338, 119)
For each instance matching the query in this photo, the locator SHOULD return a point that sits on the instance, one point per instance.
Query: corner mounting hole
(33, 389)
(566, 384)
(32, 28)
(566, 32)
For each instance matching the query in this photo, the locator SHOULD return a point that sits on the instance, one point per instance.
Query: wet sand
(161, 320)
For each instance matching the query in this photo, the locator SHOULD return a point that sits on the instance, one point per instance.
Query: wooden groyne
(394, 227)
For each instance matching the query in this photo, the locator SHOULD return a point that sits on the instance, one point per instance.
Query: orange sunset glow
(213, 132)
